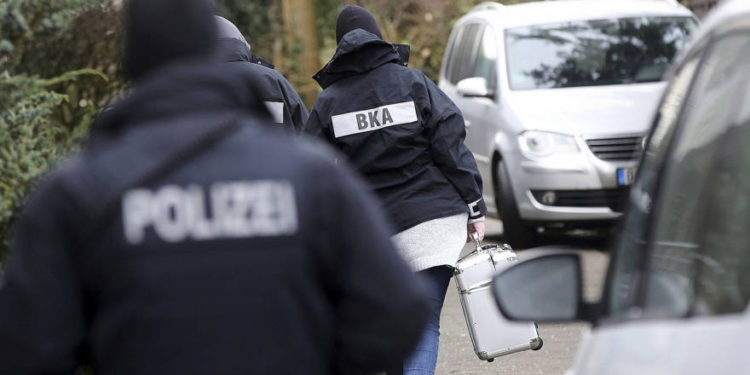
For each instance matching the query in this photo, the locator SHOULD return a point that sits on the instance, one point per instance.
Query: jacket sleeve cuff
(477, 211)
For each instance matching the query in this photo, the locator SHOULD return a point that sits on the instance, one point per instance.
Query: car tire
(516, 232)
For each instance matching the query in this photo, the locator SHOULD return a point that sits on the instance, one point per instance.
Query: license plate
(625, 176)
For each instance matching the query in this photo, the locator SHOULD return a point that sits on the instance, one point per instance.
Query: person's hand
(472, 228)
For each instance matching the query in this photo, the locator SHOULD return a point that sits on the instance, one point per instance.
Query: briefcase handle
(475, 237)
(479, 248)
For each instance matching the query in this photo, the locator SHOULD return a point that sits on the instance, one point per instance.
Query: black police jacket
(399, 130)
(276, 92)
(278, 264)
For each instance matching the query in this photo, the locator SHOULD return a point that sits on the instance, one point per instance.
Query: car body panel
(690, 346)
(538, 13)
(609, 110)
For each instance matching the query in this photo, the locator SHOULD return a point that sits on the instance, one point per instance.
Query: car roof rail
(487, 5)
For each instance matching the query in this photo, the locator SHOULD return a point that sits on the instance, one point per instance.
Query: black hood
(358, 52)
(160, 32)
(181, 90)
(231, 50)
(354, 17)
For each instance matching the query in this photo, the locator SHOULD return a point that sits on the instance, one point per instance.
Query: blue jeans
(424, 358)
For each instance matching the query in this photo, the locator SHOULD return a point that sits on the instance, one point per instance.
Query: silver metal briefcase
(491, 334)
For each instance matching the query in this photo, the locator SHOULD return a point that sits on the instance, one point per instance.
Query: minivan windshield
(590, 53)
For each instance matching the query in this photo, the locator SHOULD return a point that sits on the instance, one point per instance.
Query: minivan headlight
(539, 144)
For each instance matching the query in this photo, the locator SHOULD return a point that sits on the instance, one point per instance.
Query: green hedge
(53, 55)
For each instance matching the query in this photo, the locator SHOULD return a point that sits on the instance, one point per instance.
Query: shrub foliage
(53, 55)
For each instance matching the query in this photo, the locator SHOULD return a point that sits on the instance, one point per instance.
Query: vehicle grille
(613, 198)
(616, 148)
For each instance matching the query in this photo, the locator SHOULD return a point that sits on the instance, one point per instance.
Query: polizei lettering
(228, 210)
(373, 119)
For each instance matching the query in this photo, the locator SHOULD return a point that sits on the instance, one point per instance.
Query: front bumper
(585, 187)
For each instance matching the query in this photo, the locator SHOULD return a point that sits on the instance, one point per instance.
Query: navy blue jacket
(399, 130)
(276, 92)
(281, 264)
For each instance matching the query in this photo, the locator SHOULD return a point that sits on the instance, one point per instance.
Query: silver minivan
(557, 98)
(676, 300)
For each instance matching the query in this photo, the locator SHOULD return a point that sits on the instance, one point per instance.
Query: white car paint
(543, 12)
(692, 346)
(620, 108)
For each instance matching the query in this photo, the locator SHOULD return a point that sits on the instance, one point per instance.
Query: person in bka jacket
(406, 138)
(277, 93)
(155, 252)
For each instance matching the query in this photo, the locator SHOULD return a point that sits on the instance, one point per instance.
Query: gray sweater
(433, 243)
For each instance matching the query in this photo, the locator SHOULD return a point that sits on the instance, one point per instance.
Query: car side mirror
(544, 289)
(475, 87)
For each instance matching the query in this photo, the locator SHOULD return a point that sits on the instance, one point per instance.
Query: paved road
(560, 340)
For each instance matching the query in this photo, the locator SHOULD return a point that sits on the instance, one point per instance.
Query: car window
(596, 52)
(723, 274)
(463, 59)
(690, 269)
(486, 60)
(628, 255)
(451, 58)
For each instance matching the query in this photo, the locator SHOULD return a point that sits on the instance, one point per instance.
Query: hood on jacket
(358, 52)
(160, 32)
(225, 29)
(232, 45)
(231, 50)
(355, 17)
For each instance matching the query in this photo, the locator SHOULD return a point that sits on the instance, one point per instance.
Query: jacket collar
(233, 50)
(358, 52)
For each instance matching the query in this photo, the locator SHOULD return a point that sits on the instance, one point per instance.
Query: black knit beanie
(159, 32)
(355, 17)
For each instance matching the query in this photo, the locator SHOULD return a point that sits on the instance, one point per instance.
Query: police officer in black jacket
(276, 92)
(155, 251)
(395, 125)
(406, 138)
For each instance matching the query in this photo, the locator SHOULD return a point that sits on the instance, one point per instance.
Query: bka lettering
(375, 120)
(229, 210)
